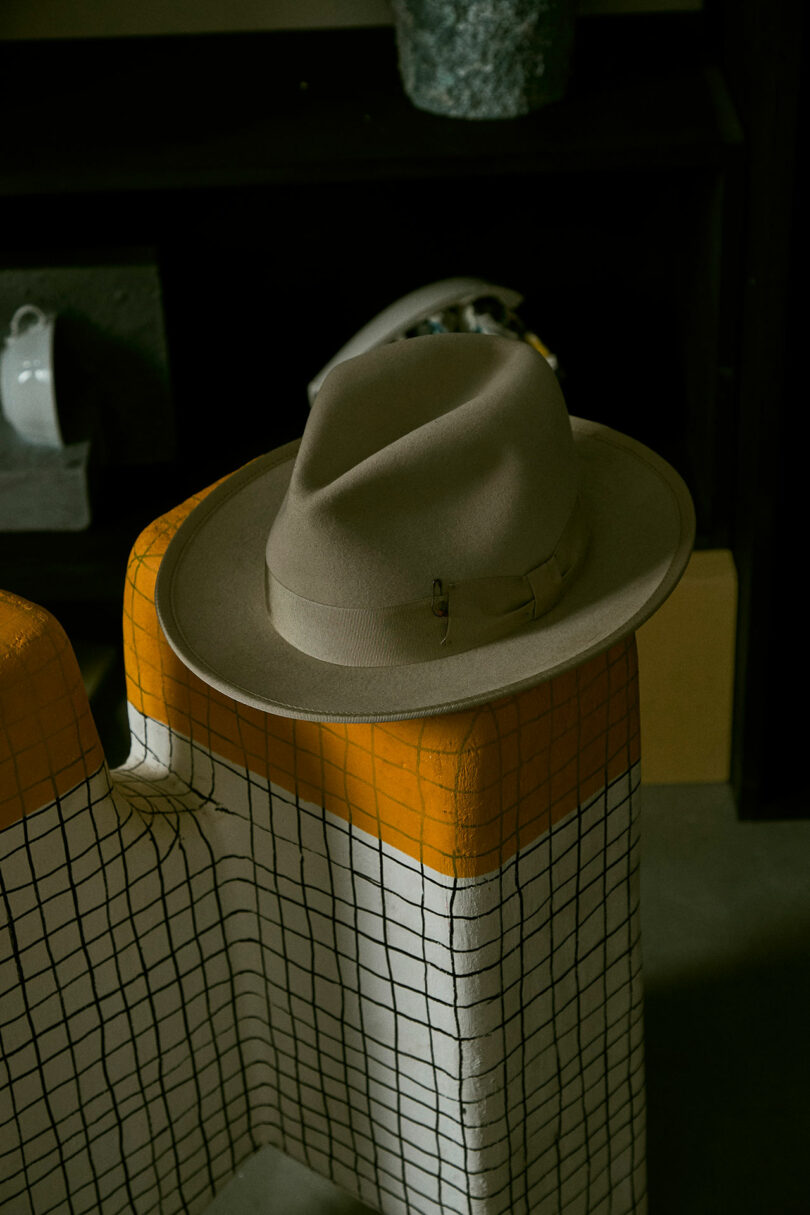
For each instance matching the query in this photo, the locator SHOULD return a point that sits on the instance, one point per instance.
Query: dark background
(214, 215)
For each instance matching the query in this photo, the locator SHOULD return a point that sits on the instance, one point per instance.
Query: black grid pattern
(189, 972)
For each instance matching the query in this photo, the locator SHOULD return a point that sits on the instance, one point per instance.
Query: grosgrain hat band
(453, 618)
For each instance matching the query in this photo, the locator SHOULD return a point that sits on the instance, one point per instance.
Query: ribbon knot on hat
(444, 533)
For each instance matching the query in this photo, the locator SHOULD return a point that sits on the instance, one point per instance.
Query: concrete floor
(726, 932)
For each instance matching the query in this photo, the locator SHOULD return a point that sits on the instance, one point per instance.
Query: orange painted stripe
(48, 739)
(460, 793)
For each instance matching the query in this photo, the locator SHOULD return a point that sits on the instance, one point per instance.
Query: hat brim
(210, 595)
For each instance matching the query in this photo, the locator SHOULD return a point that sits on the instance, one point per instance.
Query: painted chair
(406, 954)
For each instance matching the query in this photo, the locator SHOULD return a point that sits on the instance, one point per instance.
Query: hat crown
(447, 458)
(499, 434)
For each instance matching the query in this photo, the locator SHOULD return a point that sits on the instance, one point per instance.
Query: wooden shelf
(224, 111)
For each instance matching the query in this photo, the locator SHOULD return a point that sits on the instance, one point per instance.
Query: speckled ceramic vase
(484, 58)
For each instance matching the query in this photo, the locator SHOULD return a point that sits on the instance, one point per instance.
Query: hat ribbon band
(473, 612)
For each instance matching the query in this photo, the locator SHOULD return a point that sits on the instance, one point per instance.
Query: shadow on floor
(728, 1072)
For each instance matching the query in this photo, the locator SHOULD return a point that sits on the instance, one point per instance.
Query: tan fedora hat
(443, 534)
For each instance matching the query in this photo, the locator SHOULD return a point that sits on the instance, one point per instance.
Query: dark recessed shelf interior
(226, 111)
(281, 189)
(286, 190)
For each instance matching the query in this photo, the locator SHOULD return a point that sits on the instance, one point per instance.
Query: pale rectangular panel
(686, 664)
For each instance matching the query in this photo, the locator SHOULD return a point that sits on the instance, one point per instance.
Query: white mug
(27, 393)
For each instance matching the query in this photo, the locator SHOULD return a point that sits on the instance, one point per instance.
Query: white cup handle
(26, 310)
